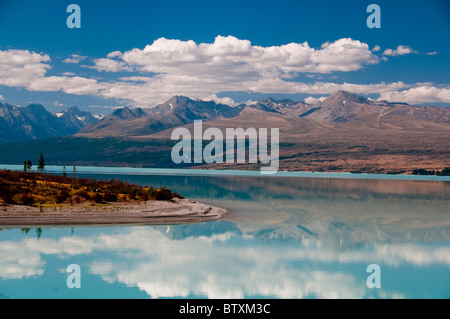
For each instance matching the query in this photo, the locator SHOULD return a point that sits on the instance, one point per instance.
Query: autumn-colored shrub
(109, 197)
(30, 188)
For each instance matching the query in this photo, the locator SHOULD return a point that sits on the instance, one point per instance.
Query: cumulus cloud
(68, 73)
(75, 58)
(109, 65)
(314, 100)
(289, 87)
(401, 50)
(420, 94)
(376, 48)
(223, 100)
(234, 57)
(170, 67)
(22, 67)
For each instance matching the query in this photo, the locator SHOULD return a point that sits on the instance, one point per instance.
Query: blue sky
(228, 51)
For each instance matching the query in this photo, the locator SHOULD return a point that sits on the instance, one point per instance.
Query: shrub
(27, 199)
(75, 200)
(83, 194)
(163, 194)
(109, 197)
(97, 198)
(62, 196)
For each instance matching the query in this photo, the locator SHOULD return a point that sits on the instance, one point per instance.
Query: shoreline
(177, 211)
(108, 170)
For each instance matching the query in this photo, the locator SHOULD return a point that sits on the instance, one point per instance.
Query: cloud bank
(170, 67)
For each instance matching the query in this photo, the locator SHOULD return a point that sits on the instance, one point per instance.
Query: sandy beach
(149, 212)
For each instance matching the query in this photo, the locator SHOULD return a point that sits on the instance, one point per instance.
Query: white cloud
(432, 53)
(74, 85)
(401, 50)
(75, 58)
(1, 97)
(223, 100)
(314, 100)
(56, 103)
(110, 65)
(21, 67)
(342, 55)
(170, 67)
(281, 86)
(376, 48)
(232, 58)
(114, 54)
(420, 94)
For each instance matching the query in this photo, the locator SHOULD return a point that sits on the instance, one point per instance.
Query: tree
(444, 172)
(64, 171)
(41, 164)
(27, 165)
(74, 171)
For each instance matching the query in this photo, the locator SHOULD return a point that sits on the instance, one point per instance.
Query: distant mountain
(75, 119)
(35, 122)
(177, 111)
(255, 117)
(340, 111)
(286, 107)
(347, 109)
(126, 114)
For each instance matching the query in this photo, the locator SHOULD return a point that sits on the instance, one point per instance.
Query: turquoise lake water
(286, 236)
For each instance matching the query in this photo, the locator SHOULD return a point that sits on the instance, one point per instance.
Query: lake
(284, 237)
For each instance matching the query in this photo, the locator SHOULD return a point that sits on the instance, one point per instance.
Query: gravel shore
(150, 212)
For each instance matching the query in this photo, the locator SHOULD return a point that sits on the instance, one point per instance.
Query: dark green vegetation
(33, 189)
(91, 152)
(421, 171)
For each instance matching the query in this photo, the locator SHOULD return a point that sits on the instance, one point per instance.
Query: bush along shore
(35, 189)
(29, 198)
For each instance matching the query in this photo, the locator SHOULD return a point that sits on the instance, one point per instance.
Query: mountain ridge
(341, 111)
(35, 122)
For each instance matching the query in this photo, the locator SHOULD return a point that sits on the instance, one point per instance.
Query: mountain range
(344, 132)
(35, 122)
(177, 111)
(342, 111)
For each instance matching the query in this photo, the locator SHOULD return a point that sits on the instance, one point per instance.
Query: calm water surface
(284, 237)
